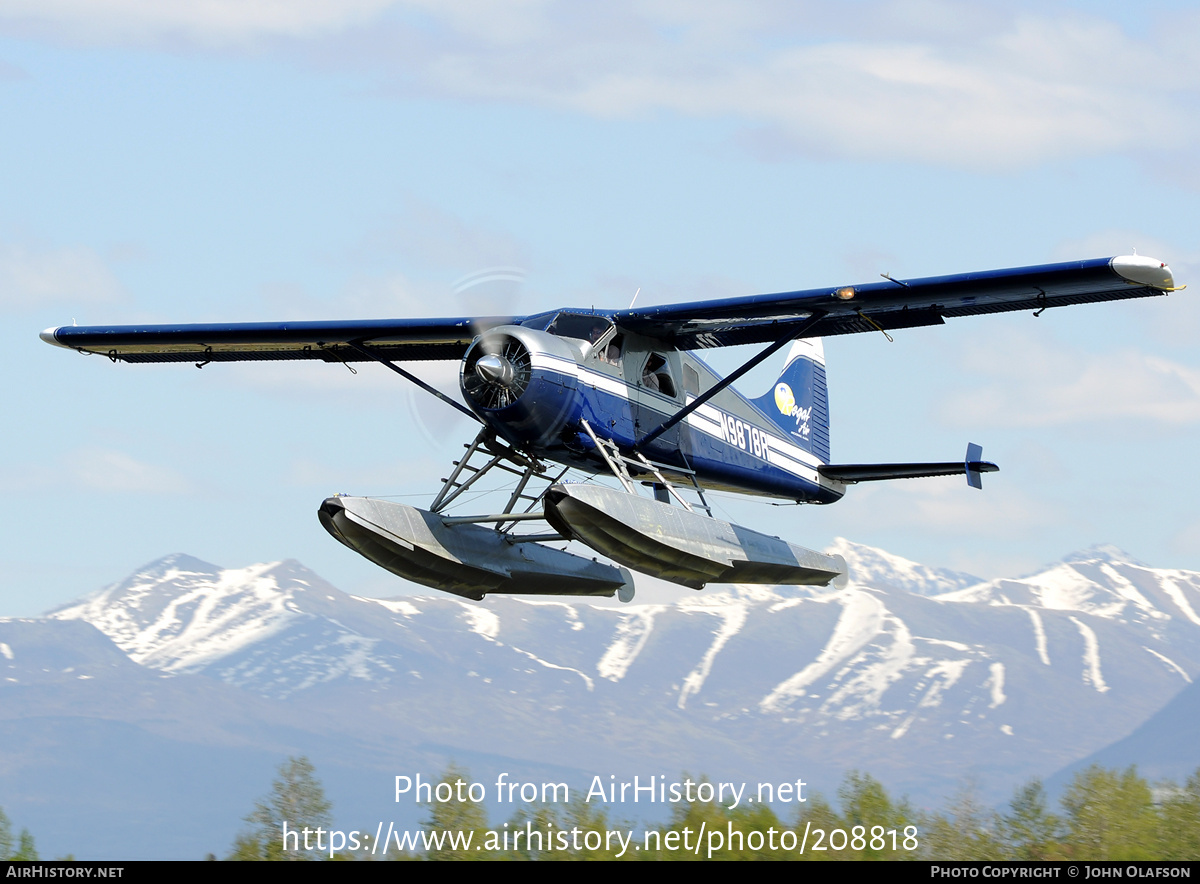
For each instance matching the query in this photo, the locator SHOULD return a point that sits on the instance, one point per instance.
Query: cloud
(427, 236)
(31, 276)
(947, 507)
(452, 267)
(952, 83)
(991, 91)
(1031, 382)
(202, 21)
(115, 471)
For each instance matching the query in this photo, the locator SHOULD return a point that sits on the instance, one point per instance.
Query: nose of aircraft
(495, 369)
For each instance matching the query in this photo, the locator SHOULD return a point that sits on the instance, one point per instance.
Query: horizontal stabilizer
(971, 467)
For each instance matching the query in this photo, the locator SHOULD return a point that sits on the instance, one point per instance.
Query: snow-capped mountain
(920, 676)
(182, 615)
(874, 567)
(884, 658)
(1102, 581)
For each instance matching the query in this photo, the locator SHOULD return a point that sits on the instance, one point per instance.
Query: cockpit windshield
(583, 326)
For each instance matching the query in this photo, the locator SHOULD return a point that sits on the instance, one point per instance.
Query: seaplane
(571, 395)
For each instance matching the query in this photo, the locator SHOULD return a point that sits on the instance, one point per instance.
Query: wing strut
(367, 351)
(766, 353)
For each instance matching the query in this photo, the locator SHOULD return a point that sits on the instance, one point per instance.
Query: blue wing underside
(408, 340)
(892, 304)
(887, 305)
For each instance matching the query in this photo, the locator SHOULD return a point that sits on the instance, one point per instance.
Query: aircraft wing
(395, 339)
(891, 304)
(894, 304)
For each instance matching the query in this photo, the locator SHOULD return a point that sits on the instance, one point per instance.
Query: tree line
(19, 849)
(1104, 814)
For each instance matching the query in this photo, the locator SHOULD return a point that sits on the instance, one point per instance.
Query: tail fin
(799, 402)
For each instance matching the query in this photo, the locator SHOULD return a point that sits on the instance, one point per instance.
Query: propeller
(489, 291)
(497, 371)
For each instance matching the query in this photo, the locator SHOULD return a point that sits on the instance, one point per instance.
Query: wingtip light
(1141, 270)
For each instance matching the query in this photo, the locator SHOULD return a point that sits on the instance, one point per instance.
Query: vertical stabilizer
(798, 403)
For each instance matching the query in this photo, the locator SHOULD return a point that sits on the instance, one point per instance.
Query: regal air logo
(786, 403)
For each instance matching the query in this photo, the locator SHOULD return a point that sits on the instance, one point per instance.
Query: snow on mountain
(277, 625)
(182, 615)
(1103, 552)
(1101, 581)
(874, 567)
(178, 614)
(905, 663)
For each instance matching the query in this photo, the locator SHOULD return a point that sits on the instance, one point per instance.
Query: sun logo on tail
(784, 400)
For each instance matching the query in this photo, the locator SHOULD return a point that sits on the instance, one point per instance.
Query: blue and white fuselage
(537, 386)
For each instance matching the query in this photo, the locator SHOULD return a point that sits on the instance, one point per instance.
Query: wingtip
(50, 336)
(1142, 270)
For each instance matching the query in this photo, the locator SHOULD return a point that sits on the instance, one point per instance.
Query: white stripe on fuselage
(754, 440)
(707, 419)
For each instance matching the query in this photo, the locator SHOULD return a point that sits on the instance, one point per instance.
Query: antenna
(635, 294)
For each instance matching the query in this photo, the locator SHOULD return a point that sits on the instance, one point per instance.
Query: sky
(256, 160)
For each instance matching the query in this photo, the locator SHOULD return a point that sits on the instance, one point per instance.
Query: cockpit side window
(612, 351)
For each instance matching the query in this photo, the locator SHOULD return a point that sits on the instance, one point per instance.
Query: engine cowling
(522, 383)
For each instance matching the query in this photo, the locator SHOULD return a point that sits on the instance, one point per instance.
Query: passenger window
(691, 380)
(657, 376)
